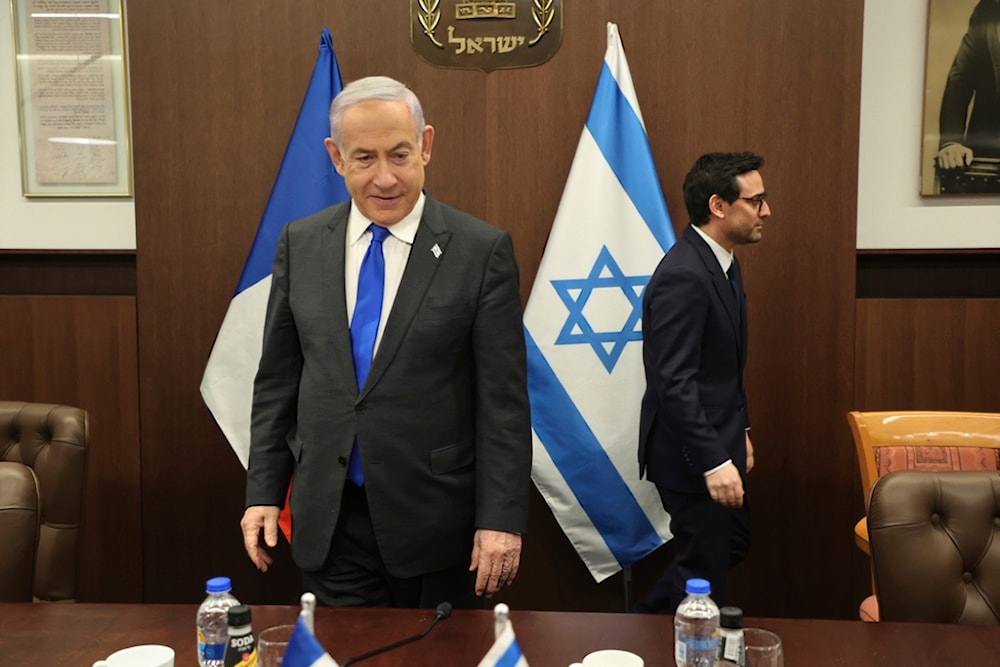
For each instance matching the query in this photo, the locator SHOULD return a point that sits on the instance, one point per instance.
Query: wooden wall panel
(81, 350)
(928, 354)
(216, 87)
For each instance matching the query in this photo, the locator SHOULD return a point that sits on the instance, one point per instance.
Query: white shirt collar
(724, 256)
(405, 230)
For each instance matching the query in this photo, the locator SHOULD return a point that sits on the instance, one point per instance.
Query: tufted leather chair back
(935, 546)
(42, 466)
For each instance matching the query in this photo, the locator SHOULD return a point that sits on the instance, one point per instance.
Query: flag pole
(627, 586)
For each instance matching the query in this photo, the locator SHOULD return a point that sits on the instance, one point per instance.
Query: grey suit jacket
(442, 421)
(694, 414)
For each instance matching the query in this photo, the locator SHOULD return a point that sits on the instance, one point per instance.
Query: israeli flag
(307, 182)
(584, 335)
(505, 651)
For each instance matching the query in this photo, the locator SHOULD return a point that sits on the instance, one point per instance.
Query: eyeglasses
(758, 200)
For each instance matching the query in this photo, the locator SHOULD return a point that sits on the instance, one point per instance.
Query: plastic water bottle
(213, 622)
(696, 627)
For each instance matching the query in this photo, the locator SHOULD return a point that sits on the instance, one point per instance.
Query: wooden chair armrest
(861, 535)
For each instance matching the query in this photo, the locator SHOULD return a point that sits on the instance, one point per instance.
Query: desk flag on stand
(505, 652)
(306, 183)
(304, 650)
(583, 330)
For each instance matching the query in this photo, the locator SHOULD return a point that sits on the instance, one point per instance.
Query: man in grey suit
(694, 440)
(411, 479)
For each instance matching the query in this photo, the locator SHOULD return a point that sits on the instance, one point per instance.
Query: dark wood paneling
(216, 87)
(955, 275)
(49, 272)
(82, 351)
(928, 354)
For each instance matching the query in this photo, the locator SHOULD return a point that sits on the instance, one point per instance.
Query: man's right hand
(726, 486)
(954, 156)
(254, 519)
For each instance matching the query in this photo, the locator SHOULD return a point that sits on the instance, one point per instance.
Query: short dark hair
(715, 174)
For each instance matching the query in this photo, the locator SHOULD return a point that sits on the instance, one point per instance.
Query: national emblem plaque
(485, 34)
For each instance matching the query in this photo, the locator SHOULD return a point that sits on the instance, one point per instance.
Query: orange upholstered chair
(919, 440)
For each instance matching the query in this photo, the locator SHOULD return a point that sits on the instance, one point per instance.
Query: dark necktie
(736, 282)
(364, 324)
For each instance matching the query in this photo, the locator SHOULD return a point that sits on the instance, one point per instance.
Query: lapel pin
(436, 249)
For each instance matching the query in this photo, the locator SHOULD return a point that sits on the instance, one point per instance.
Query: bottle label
(731, 648)
(695, 646)
(701, 643)
(241, 651)
(211, 651)
(208, 651)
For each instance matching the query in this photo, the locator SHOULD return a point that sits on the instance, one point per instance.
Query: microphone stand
(442, 612)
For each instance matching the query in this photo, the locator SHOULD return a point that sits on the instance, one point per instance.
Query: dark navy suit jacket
(694, 414)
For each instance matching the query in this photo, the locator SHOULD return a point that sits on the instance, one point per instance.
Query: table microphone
(442, 612)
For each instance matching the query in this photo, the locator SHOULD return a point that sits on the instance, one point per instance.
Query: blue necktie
(364, 325)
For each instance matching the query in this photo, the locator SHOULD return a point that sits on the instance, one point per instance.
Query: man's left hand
(496, 556)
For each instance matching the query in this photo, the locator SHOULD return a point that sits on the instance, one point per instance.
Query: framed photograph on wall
(961, 143)
(73, 104)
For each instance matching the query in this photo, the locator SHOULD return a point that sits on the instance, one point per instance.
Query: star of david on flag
(576, 294)
(583, 331)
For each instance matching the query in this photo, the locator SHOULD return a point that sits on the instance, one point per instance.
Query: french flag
(307, 182)
(304, 650)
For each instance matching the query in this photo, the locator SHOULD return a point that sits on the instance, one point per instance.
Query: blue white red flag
(307, 182)
(583, 329)
(304, 650)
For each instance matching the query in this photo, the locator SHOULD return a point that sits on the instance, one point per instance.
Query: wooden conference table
(79, 634)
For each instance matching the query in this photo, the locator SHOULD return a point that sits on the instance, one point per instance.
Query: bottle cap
(698, 587)
(239, 615)
(218, 585)
(731, 617)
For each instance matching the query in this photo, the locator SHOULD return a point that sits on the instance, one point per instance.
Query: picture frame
(960, 153)
(71, 77)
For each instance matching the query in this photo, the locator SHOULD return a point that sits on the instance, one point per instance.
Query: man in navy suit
(412, 488)
(694, 440)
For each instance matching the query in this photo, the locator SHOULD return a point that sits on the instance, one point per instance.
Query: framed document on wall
(73, 102)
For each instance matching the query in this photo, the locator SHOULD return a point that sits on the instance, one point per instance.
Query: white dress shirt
(395, 249)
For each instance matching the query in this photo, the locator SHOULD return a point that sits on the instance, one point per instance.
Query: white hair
(369, 89)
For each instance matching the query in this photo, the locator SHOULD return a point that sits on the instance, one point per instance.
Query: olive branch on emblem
(429, 17)
(542, 12)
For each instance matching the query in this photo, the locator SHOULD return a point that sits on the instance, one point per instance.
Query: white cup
(610, 657)
(146, 655)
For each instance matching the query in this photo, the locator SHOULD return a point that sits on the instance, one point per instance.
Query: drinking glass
(763, 648)
(271, 645)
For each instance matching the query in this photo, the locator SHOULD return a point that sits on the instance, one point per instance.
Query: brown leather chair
(935, 546)
(929, 440)
(43, 451)
(18, 530)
